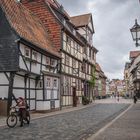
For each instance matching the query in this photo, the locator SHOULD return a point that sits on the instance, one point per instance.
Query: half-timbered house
(100, 83)
(134, 73)
(29, 62)
(84, 25)
(78, 54)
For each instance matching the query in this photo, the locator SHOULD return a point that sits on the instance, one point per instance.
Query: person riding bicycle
(22, 110)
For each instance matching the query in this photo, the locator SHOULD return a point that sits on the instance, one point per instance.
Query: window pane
(34, 55)
(27, 52)
(55, 83)
(47, 60)
(48, 83)
(53, 62)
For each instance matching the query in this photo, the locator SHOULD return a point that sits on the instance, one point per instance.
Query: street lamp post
(135, 31)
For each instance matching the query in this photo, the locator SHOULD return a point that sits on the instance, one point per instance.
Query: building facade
(74, 41)
(100, 83)
(28, 61)
(126, 79)
(134, 73)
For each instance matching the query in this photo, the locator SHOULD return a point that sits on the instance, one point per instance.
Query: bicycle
(12, 119)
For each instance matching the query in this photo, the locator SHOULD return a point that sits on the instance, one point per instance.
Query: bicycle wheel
(11, 120)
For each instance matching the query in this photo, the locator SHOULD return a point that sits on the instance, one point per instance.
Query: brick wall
(41, 9)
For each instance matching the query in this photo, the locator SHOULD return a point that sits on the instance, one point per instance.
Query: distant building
(126, 78)
(134, 73)
(116, 87)
(100, 82)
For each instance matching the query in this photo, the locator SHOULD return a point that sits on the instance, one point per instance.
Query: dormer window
(34, 55)
(27, 52)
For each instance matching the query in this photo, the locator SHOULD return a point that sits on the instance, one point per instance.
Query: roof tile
(27, 25)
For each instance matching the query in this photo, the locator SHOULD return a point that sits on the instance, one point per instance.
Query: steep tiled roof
(27, 25)
(81, 20)
(134, 54)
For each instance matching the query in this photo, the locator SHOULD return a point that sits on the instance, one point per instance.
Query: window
(87, 68)
(74, 63)
(48, 83)
(77, 47)
(53, 62)
(90, 38)
(67, 60)
(55, 83)
(34, 55)
(40, 84)
(93, 55)
(80, 66)
(47, 60)
(66, 87)
(83, 67)
(85, 50)
(90, 52)
(68, 40)
(126, 75)
(27, 52)
(79, 84)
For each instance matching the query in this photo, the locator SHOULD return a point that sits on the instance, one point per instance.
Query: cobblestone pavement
(127, 127)
(75, 125)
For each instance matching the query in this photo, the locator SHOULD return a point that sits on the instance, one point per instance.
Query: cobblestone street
(75, 125)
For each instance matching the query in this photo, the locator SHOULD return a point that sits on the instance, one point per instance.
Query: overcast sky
(112, 20)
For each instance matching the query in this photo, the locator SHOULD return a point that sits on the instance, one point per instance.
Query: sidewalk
(126, 127)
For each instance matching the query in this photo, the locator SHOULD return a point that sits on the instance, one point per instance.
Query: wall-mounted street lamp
(135, 31)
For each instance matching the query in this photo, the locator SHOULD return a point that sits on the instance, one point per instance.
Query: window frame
(49, 61)
(25, 52)
(34, 55)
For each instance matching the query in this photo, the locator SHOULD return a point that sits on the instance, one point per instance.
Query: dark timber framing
(10, 91)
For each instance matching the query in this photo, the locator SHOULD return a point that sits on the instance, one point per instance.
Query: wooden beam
(10, 91)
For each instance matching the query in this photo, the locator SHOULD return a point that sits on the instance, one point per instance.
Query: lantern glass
(135, 31)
